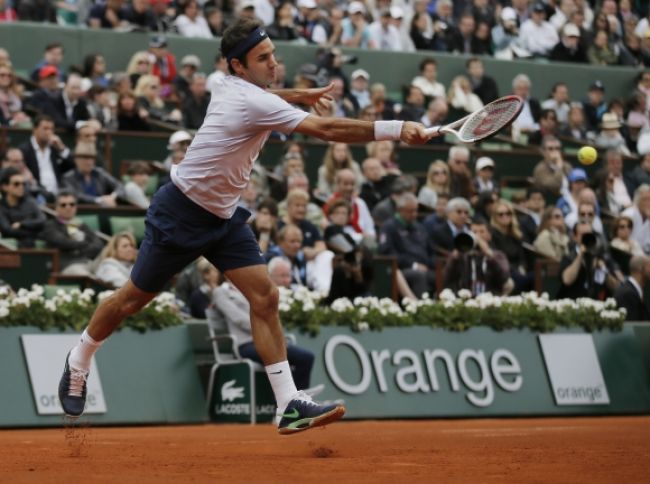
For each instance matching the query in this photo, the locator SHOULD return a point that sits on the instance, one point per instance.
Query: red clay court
(611, 449)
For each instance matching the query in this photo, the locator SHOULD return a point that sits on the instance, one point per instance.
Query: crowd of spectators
(327, 234)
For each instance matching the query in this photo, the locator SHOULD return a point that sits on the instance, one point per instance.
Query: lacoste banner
(422, 372)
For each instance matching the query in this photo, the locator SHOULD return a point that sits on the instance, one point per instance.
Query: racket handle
(433, 131)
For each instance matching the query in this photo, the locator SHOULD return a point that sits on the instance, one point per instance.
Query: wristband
(388, 130)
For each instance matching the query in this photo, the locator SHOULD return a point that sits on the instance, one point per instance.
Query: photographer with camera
(475, 265)
(587, 271)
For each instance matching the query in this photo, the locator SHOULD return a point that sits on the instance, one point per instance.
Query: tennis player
(196, 214)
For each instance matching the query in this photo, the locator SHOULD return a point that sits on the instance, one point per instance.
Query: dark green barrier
(146, 378)
(24, 267)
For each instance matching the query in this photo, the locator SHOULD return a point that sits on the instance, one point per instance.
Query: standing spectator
(130, 116)
(46, 156)
(640, 215)
(384, 34)
(77, 244)
(117, 259)
(20, 217)
(377, 184)
(427, 81)
(196, 104)
(88, 182)
(191, 22)
(53, 56)
(109, 15)
(551, 173)
(337, 157)
(460, 174)
(622, 236)
(559, 102)
(135, 190)
(552, 241)
(406, 238)
(11, 106)
(164, 63)
(537, 35)
(438, 181)
(595, 105)
(629, 294)
(569, 49)
(483, 86)
(356, 32)
(443, 233)
(190, 65)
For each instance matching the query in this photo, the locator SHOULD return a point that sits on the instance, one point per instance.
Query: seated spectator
(427, 80)
(36, 11)
(139, 15)
(283, 26)
(438, 181)
(576, 126)
(53, 56)
(337, 157)
(42, 99)
(552, 241)
(559, 102)
(537, 35)
(484, 205)
(233, 306)
(618, 195)
(460, 174)
(361, 219)
(610, 136)
(130, 116)
(264, 225)
(587, 211)
(20, 217)
(443, 233)
(507, 237)
(413, 108)
(551, 173)
(568, 203)
(436, 115)
(139, 65)
(314, 212)
(482, 85)
(196, 104)
(117, 259)
(484, 179)
(94, 70)
(7, 14)
(11, 106)
(135, 190)
(77, 244)
(377, 184)
(100, 108)
(478, 268)
(359, 83)
(355, 29)
(384, 34)
(601, 52)
(569, 48)
(190, 65)
(630, 295)
(462, 39)
(148, 93)
(530, 213)
(640, 175)
(201, 297)
(528, 119)
(292, 162)
(586, 271)
(420, 34)
(407, 239)
(312, 240)
(548, 126)
(622, 236)
(88, 182)
(46, 156)
(460, 95)
(109, 15)
(14, 158)
(68, 106)
(384, 151)
(594, 106)
(640, 215)
(506, 32)
(386, 209)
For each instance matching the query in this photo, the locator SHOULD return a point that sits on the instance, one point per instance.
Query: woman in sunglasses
(622, 236)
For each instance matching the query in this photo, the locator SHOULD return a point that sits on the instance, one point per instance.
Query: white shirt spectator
(198, 28)
(264, 11)
(239, 120)
(366, 223)
(538, 39)
(387, 38)
(428, 88)
(561, 110)
(114, 272)
(641, 27)
(641, 230)
(45, 168)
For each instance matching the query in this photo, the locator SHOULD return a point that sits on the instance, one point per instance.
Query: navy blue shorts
(177, 231)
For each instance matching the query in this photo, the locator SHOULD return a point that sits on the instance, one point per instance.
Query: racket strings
(490, 119)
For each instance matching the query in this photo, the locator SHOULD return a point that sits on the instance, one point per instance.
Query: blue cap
(577, 174)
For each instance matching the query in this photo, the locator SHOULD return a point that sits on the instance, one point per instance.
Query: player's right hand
(414, 133)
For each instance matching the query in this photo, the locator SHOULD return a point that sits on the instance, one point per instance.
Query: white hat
(396, 11)
(191, 60)
(484, 162)
(247, 4)
(356, 7)
(360, 73)
(178, 137)
(571, 30)
(610, 121)
(508, 14)
(307, 4)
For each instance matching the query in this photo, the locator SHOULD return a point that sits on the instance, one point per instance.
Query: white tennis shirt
(218, 163)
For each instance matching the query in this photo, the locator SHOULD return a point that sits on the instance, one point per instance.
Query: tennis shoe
(303, 413)
(72, 390)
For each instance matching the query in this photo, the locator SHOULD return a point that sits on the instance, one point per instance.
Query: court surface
(496, 450)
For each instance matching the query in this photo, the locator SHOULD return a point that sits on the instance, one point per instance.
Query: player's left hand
(414, 133)
(319, 98)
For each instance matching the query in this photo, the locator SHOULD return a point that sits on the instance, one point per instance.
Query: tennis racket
(485, 122)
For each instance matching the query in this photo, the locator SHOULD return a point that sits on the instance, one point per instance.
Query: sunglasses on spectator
(624, 226)
(557, 215)
(67, 204)
(143, 61)
(587, 214)
(504, 214)
(439, 172)
(5, 74)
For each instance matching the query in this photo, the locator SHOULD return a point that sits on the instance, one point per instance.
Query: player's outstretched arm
(348, 130)
(318, 97)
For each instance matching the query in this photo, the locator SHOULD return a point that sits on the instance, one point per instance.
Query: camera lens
(590, 241)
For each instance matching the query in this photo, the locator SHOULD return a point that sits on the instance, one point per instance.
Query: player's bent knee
(266, 302)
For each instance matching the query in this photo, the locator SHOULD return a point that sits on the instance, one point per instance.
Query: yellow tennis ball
(587, 155)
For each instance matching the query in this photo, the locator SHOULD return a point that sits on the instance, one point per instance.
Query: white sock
(81, 354)
(282, 382)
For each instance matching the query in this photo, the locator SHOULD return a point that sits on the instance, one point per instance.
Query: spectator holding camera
(475, 265)
(586, 271)
(407, 239)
